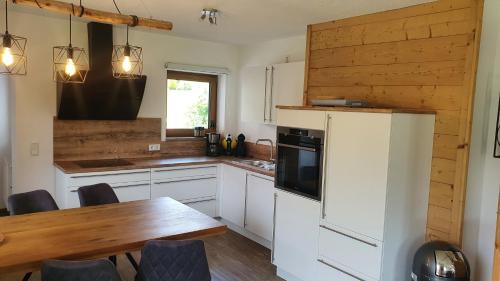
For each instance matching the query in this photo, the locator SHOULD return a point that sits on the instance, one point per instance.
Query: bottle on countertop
(229, 143)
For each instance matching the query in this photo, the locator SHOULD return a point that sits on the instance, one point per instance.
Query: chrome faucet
(271, 147)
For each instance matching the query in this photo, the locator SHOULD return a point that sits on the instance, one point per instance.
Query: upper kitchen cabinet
(264, 87)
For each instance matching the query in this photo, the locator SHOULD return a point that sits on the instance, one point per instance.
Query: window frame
(213, 81)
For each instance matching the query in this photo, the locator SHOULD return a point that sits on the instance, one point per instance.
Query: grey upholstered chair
(174, 261)
(31, 202)
(98, 270)
(100, 194)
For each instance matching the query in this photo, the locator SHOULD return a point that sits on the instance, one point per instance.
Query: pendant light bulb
(70, 68)
(126, 64)
(7, 57)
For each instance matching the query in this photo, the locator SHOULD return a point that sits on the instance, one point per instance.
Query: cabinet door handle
(246, 196)
(181, 179)
(273, 246)
(105, 175)
(341, 270)
(265, 95)
(129, 185)
(349, 236)
(325, 166)
(298, 147)
(271, 102)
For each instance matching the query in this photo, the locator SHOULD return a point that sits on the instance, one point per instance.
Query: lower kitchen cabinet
(247, 202)
(233, 184)
(259, 214)
(195, 186)
(296, 236)
(128, 185)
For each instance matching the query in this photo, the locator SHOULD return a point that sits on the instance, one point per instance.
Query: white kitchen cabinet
(233, 181)
(375, 194)
(129, 185)
(296, 236)
(287, 86)
(254, 86)
(259, 206)
(265, 87)
(195, 186)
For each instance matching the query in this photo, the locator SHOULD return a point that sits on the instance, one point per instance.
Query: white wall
(35, 102)
(484, 172)
(267, 53)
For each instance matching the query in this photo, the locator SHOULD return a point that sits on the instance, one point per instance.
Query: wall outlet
(35, 149)
(154, 147)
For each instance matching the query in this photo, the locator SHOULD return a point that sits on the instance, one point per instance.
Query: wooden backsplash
(421, 57)
(95, 139)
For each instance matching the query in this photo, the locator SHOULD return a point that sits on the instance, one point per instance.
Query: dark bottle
(229, 143)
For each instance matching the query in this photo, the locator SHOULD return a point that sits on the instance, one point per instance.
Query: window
(191, 102)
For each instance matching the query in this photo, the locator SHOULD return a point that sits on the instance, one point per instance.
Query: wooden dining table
(97, 232)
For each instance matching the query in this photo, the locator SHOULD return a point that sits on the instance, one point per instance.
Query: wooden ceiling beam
(94, 15)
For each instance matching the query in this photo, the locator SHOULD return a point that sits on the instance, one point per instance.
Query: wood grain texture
(420, 57)
(94, 15)
(96, 232)
(97, 139)
(231, 257)
(496, 257)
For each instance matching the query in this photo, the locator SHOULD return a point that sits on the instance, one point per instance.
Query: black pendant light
(70, 63)
(127, 61)
(13, 57)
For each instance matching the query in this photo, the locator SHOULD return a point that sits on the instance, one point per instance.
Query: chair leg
(132, 261)
(113, 259)
(27, 276)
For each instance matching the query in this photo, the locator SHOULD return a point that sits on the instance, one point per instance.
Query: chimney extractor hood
(101, 97)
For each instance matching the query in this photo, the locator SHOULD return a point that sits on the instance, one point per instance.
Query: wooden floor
(232, 257)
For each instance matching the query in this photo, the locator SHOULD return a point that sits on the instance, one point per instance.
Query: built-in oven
(299, 161)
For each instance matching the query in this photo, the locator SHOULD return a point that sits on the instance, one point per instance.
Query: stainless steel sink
(267, 165)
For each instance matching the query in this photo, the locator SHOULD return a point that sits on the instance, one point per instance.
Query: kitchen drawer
(185, 190)
(77, 180)
(124, 191)
(208, 207)
(359, 254)
(183, 172)
(329, 271)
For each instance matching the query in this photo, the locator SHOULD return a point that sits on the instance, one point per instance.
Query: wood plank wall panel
(96, 139)
(421, 57)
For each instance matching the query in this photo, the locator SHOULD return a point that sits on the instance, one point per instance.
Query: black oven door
(299, 169)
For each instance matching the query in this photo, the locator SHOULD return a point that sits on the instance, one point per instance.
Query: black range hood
(101, 97)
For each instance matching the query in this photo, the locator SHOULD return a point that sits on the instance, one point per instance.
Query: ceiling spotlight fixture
(13, 57)
(211, 14)
(70, 63)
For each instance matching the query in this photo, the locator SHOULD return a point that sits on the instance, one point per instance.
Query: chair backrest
(98, 270)
(31, 202)
(97, 194)
(174, 261)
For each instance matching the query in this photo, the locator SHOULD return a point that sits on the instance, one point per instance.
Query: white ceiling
(247, 21)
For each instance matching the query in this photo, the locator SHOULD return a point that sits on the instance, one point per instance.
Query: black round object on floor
(440, 261)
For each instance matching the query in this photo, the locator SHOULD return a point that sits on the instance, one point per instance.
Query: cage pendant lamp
(71, 64)
(13, 51)
(127, 61)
